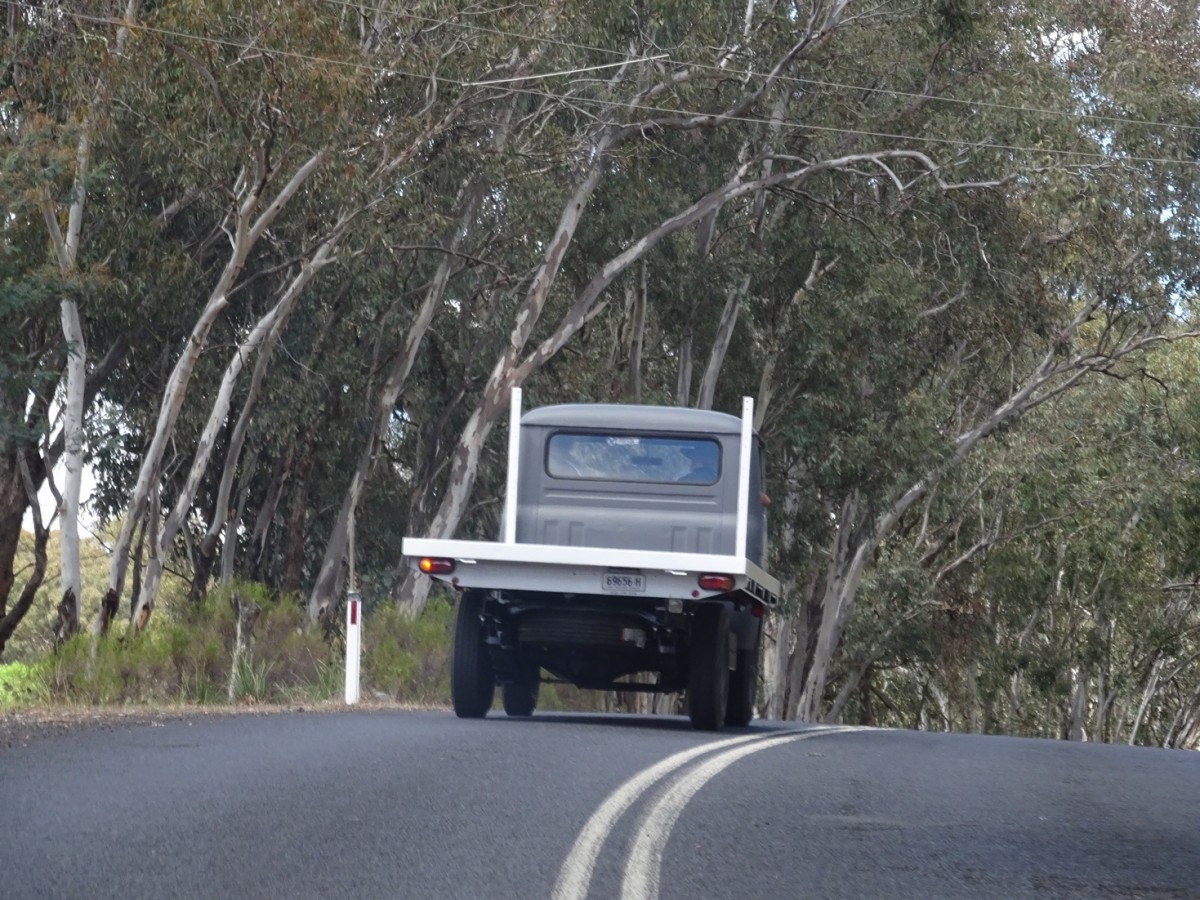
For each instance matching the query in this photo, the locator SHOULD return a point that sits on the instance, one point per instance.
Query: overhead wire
(788, 79)
(684, 113)
(724, 70)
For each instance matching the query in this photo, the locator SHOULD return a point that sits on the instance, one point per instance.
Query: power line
(790, 79)
(659, 110)
(577, 71)
(858, 132)
(737, 73)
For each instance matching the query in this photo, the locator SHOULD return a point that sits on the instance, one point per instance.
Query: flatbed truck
(632, 558)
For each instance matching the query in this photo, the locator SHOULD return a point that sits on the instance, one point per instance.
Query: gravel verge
(20, 728)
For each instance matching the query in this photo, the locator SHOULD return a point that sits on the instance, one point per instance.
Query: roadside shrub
(329, 683)
(283, 659)
(186, 656)
(252, 680)
(170, 662)
(407, 659)
(22, 685)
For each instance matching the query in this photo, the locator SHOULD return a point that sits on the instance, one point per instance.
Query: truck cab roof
(622, 417)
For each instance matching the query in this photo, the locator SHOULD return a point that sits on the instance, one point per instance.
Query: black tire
(743, 685)
(472, 681)
(520, 697)
(708, 670)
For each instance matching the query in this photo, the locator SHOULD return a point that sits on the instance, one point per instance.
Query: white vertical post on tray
(743, 501)
(514, 464)
(353, 645)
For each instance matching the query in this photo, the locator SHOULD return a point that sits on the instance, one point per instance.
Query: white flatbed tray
(495, 565)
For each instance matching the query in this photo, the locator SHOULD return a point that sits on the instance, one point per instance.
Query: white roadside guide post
(353, 645)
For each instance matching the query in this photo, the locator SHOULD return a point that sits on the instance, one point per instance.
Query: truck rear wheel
(472, 681)
(743, 686)
(708, 670)
(520, 696)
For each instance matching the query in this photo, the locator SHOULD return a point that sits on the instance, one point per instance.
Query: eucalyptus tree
(630, 112)
(278, 118)
(902, 322)
(968, 314)
(1056, 589)
(342, 234)
(65, 67)
(453, 198)
(371, 147)
(27, 367)
(66, 249)
(1059, 596)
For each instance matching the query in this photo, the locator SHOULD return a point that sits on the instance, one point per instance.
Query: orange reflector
(432, 566)
(716, 582)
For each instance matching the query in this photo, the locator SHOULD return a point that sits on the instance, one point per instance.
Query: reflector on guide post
(353, 645)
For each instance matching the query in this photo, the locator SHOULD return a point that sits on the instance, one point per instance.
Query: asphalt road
(401, 804)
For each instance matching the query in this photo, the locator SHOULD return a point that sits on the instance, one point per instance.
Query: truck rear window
(633, 457)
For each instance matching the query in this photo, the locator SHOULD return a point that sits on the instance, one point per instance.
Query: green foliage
(882, 323)
(1076, 524)
(251, 680)
(22, 685)
(162, 666)
(283, 657)
(185, 656)
(407, 659)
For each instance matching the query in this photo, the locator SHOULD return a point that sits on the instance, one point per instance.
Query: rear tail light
(716, 582)
(433, 566)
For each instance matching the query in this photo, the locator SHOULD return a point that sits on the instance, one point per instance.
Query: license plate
(623, 583)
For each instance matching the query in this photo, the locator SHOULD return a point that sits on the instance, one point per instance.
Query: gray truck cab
(638, 478)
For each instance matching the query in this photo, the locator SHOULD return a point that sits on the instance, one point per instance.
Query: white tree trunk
(1147, 694)
(1079, 698)
(787, 644)
(975, 705)
(226, 513)
(154, 565)
(67, 251)
(413, 589)
(324, 588)
(246, 232)
(245, 614)
(277, 316)
(637, 337)
(683, 375)
(842, 576)
(73, 450)
(229, 547)
(776, 651)
(720, 347)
